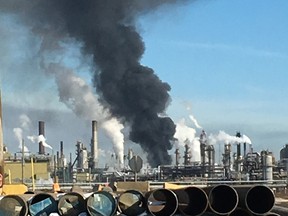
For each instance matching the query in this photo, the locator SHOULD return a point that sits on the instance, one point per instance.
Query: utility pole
(23, 161)
(1, 151)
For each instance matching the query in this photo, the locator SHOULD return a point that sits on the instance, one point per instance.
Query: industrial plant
(235, 186)
(241, 163)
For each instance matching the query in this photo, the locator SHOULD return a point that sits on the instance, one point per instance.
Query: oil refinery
(243, 163)
(245, 182)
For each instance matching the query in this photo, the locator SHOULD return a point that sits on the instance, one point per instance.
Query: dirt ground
(281, 198)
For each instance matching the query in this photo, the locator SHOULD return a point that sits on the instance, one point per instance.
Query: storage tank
(267, 161)
(284, 152)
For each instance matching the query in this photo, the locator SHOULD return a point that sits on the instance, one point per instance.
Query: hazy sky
(225, 60)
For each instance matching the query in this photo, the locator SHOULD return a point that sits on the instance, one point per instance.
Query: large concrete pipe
(161, 202)
(131, 203)
(42, 204)
(14, 205)
(223, 199)
(241, 212)
(192, 201)
(71, 204)
(101, 203)
(257, 199)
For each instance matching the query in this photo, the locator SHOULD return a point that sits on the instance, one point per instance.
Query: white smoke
(226, 138)
(38, 139)
(246, 139)
(113, 129)
(18, 132)
(185, 134)
(79, 97)
(76, 94)
(25, 122)
(193, 119)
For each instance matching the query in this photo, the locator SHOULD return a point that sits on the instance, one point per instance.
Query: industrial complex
(243, 183)
(241, 164)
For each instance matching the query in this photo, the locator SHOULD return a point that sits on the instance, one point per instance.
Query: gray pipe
(280, 210)
(223, 199)
(258, 199)
(71, 204)
(14, 205)
(131, 203)
(241, 212)
(192, 201)
(272, 214)
(101, 203)
(161, 202)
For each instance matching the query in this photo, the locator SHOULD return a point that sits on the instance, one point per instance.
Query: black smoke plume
(131, 91)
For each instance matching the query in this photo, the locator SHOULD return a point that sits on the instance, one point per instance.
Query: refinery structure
(238, 161)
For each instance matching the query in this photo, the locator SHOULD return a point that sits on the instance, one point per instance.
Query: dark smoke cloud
(131, 91)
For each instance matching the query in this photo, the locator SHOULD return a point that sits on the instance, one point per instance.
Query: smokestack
(61, 149)
(41, 132)
(244, 149)
(94, 145)
(238, 150)
(1, 149)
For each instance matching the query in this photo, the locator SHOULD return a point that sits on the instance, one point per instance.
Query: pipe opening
(13, 205)
(71, 204)
(131, 203)
(42, 204)
(162, 202)
(192, 201)
(260, 199)
(101, 203)
(223, 199)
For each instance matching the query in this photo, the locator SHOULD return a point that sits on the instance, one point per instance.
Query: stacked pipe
(188, 201)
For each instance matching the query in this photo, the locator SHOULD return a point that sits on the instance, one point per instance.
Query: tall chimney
(1, 150)
(94, 145)
(41, 132)
(61, 156)
(61, 149)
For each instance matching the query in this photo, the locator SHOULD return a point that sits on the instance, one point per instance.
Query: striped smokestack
(94, 145)
(41, 132)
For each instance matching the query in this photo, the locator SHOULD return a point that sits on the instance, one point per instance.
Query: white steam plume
(226, 138)
(193, 119)
(79, 97)
(113, 129)
(38, 139)
(183, 134)
(18, 132)
(246, 139)
(25, 122)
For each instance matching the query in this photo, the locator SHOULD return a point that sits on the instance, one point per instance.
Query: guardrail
(158, 184)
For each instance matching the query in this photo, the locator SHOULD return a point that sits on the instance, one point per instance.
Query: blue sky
(226, 59)
(229, 60)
